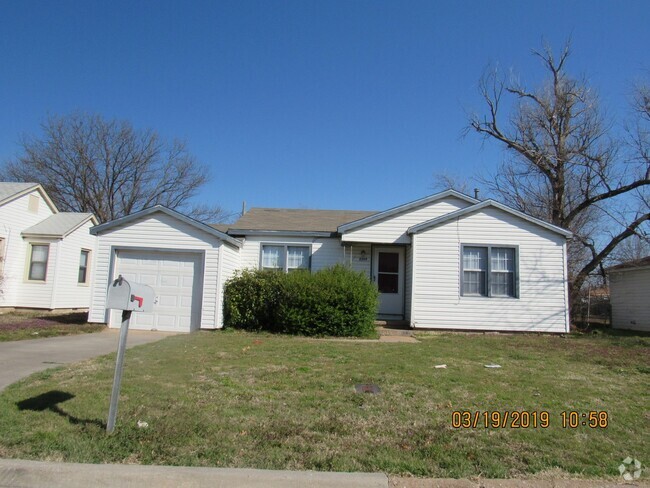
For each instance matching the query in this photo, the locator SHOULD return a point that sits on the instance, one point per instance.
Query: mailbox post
(128, 297)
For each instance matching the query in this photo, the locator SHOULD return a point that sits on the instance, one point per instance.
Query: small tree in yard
(90, 164)
(567, 164)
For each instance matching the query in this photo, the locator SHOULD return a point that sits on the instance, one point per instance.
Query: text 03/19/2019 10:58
(514, 419)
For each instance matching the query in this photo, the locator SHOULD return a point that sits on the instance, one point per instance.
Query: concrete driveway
(19, 359)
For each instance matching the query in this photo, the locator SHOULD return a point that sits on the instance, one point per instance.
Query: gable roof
(221, 227)
(631, 265)
(172, 213)
(287, 220)
(10, 190)
(479, 206)
(59, 225)
(350, 225)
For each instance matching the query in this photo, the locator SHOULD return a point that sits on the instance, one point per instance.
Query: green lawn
(16, 326)
(256, 400)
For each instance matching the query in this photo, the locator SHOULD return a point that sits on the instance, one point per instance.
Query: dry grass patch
(16, 326)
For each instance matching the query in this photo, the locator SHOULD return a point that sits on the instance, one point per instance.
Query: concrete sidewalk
(19, 359)
(23, 474)
(15, 473)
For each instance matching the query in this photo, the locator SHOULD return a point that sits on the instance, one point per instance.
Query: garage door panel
(168, 321)
(167, 301)
(184, 321)
(169, 280)
(148, 279)
(175, 278)
(143, 319)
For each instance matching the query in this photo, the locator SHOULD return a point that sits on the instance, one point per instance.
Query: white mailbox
(125, 295)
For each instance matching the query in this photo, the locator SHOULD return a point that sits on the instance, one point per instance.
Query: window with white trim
(83, 266)
(489, 271)
(285, 257)
(38, 262)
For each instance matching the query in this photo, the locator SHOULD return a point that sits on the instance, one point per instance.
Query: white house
(629, 288)
(46, 255)
(447, 261)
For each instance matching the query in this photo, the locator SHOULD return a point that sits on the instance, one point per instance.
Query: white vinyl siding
(437, 257)
(358, 257)
(392, 230)
(325, 251)
(158, 232)
(17, 291)
(408, 282)
(68, 292)
(629, 297)
(229, 258)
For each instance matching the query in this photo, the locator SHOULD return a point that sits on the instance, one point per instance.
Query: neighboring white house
(447, 261)
(46, 255)
(629, 288)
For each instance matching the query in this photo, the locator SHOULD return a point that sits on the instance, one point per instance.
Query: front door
(388, 275)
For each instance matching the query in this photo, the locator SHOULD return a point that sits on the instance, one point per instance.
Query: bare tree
(446, 180)
(633, 249)
(90, 164)
(565, 164)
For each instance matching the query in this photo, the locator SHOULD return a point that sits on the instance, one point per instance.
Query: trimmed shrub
(334, 301)
(251, 298)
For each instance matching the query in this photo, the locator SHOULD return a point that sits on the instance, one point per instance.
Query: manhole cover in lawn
(367, 388)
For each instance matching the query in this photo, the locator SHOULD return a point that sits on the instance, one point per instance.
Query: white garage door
(176, 280)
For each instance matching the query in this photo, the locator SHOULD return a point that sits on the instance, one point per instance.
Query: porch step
(383, 331)
(393, 328)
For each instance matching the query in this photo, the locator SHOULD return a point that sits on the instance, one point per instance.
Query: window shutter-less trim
(489, 271)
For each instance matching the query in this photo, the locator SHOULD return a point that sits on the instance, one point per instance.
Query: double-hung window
(285, 257)
(38, 262)
(83, 267)
(489, 271)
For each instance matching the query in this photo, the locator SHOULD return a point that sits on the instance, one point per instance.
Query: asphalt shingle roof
(59, 225)
(632, 264)
(9, 189)
(296, 220)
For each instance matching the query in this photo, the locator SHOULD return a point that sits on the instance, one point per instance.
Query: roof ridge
(309, 209)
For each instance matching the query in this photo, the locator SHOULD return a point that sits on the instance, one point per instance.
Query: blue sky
(329, 104)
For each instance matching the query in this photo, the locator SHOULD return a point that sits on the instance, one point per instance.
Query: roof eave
(36, 186)
(172, 213)
(479, 206)
(404, 208)
(287, 233)
(91, 217)
(625, 269)
(31, 235)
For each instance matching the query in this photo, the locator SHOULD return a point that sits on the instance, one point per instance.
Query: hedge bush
(334, 301)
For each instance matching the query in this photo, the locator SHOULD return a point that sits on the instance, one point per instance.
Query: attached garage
(184, 261)
(176, 277)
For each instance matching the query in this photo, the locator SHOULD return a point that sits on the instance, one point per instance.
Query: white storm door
(388, 275)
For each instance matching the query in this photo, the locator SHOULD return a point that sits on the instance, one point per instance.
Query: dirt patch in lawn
(33, 325)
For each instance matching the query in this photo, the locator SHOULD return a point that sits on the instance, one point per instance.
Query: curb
(15, 473)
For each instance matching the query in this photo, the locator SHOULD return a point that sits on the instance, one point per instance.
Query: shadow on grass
(72, 318)
(49, 401)
(607, 330)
